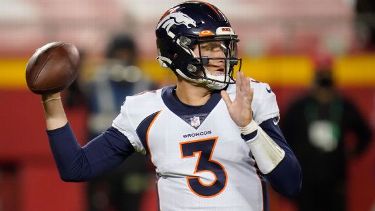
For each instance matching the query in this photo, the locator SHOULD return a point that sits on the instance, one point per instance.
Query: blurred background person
(317, 126)
(119, 76)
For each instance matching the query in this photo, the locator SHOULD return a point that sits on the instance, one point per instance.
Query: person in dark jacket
(316, 126)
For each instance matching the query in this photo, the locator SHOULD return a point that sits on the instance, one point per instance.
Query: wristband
(51, 99)
(251, 127)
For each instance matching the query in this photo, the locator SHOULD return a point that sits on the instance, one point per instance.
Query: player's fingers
(226, 98)
(246, 90)
(238, 82)
(246, 85)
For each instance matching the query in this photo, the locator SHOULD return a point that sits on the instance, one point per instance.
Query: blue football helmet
(185, 27)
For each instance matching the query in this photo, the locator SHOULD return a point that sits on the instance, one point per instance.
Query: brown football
(52, 68)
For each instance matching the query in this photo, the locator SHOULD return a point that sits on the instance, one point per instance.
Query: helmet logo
(176, 18)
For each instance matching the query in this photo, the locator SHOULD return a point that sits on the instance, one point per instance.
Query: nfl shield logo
(195, 121)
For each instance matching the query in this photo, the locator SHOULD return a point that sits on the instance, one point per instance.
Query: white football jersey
(199, 156)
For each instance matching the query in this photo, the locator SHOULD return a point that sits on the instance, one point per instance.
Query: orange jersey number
(204, 148)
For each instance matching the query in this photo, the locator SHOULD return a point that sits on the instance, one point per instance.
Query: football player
(213, 140)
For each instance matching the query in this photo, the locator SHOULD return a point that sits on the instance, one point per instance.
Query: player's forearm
(53, 111)
(274, 157)
(286, 177)
(76, 163)
(67, 153)
(266, 152)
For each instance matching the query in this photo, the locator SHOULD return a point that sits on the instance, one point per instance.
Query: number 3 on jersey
(204, 148)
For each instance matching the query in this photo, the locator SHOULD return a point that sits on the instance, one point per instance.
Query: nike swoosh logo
(275, 121)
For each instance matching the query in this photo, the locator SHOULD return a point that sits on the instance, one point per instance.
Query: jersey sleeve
(75, 163)
(286, 178)
(124, 123)
(264, 103)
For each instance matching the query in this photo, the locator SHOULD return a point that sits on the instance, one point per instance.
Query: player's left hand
(240, 108)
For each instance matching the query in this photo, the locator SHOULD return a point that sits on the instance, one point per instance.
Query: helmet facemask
(214, 72)
(182, 32)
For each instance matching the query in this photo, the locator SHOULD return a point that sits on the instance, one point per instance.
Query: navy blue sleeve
(286, 178)
(76, 163)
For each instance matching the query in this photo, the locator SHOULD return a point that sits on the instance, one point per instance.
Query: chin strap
(266, 152)
(214, 85)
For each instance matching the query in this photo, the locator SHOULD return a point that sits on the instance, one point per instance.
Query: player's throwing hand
(240, 108)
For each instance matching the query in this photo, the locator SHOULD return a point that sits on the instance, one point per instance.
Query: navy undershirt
(286, 178)
(75, 163)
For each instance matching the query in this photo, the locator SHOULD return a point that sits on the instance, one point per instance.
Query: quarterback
(214, 140)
